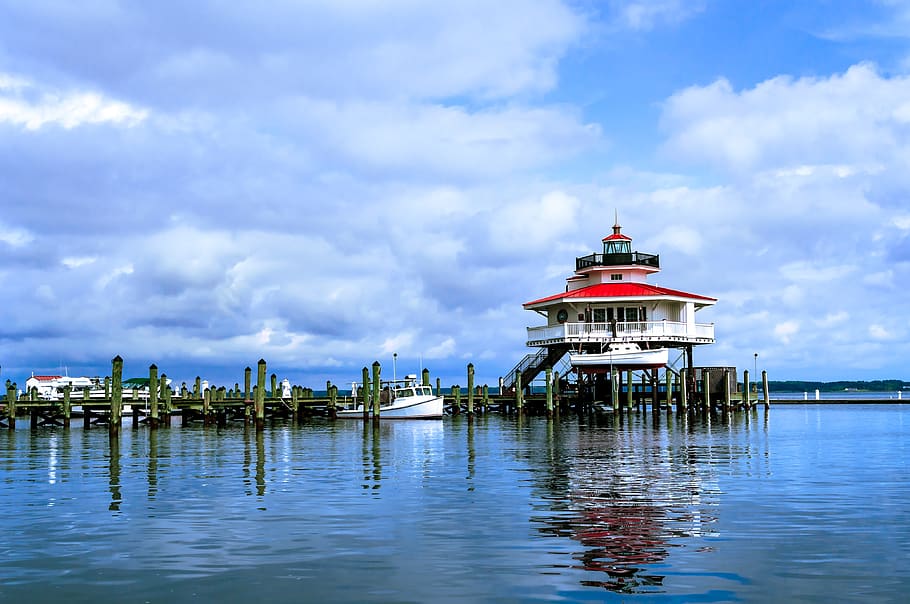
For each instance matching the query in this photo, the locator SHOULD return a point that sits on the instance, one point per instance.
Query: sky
(322, 185)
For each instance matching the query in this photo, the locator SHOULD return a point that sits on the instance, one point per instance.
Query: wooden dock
(257, 404)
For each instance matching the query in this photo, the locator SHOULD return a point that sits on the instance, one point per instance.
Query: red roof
(620, 290)
(45, 378)
(616, 236)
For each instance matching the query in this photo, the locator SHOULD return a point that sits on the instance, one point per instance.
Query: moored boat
(398, 399)
(624, 355)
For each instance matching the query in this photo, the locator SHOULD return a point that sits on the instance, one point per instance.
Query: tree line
(862, 386)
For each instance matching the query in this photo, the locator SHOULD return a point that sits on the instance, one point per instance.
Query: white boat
(624, 355)
(398, 399)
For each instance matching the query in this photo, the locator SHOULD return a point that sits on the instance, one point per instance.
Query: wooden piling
(425, 375)
(116, 395)
(765, 391)
(377, 371)
(247, 378)
(549, 375)
(668, 383)
(706, 386)
(153, 396)
(67, 406)
(629, 387)
(684, 382)
(456, 394)
(519, 395)
(164, 400)
(614, 389)
(746, 385)
(438, 386)
(260, 395)
(274, 384)
(727, 394)
(470, 389)
(485, 406)
(333, 400)
(11, 406)
(365, 394)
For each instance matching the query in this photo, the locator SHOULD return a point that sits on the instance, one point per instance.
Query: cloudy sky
(203, 184)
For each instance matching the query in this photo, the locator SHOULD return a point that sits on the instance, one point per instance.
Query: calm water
(806, 504)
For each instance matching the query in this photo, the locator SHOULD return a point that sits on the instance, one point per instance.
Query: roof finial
(616, 227)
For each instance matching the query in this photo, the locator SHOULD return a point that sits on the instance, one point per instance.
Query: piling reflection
(371, 455)
(152, 471)
(628, 491)
(114, 474)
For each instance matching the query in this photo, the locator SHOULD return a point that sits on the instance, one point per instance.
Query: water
(806, 504)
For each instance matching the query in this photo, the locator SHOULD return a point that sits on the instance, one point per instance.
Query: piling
(247, 377)
(377, 370)
(260, 396)
(629, 388)
(67, 406)
(727, 394)
(153, 395)
(519, 399)
(425, 377)
(765, 391)
(11, 406)
(706, 385)
(333, 400)
(486, 398)
(549, 375)
(668, 382)
(274, 380)
(471, 389)
(365, 393)
(746, 385)
(614, 389)
(438, 387)
(164, 399)
(197, 388)
(456, 394)
(683, 389)
(206, 405)
(116, 395)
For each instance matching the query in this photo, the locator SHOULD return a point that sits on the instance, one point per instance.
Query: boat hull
(639, 359)
(431, 408)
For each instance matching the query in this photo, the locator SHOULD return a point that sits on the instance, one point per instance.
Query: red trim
(616, 236)
(620, 290)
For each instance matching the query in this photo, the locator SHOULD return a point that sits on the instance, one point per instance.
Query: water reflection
(152, 472)
(628, 491)
(114, 474)
(372, 455)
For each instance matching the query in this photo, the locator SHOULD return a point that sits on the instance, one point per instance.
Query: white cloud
(786, 330)
(76, 262)
(644, 15)
(879, 332)
(856, 117)
(15, 237)
(68, 109)
(813, 272)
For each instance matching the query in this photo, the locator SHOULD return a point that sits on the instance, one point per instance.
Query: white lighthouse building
(610, 317)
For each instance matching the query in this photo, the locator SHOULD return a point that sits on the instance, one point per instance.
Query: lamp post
(394, 363)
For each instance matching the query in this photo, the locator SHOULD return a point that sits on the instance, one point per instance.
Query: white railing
(635, 330)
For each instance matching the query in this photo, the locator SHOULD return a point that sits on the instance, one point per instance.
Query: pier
(269, 400)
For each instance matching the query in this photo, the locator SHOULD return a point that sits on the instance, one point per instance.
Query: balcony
(591, 260)
(668, 332)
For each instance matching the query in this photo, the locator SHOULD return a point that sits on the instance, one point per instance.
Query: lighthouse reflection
(627, 499)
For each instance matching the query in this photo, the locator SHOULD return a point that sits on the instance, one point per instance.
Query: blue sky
(201, 185)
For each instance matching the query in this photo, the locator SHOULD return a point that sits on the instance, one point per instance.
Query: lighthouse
(609, 317)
